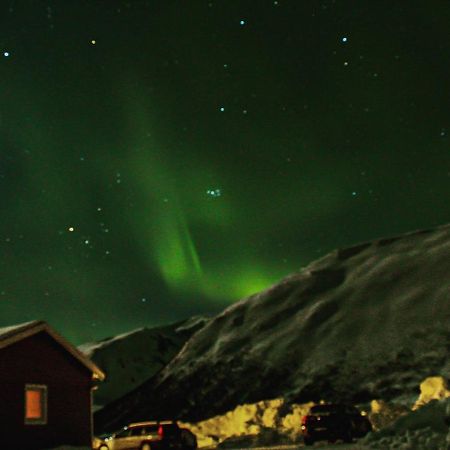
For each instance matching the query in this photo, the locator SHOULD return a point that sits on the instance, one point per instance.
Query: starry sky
(162, 159)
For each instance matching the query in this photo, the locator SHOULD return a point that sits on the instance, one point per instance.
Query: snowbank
(432, 388)
(427, 428)
(269, 422)
(275, 422)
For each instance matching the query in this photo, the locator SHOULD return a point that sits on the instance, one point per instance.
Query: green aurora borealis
(202, 150)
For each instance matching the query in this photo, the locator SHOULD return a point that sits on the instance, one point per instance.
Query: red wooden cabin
(46, 389)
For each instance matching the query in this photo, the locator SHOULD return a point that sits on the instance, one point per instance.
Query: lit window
(35, 404)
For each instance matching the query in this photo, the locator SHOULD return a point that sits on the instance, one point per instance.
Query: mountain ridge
(131, 358)
(363, 322)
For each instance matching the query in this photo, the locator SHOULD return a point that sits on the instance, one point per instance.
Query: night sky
(161, 159)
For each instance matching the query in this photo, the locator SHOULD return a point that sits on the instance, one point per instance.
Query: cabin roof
(10, 335)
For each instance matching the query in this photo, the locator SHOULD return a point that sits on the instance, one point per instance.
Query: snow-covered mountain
(366, 322)
(132, 358)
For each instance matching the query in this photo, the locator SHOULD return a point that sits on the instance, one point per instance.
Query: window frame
(43, 389)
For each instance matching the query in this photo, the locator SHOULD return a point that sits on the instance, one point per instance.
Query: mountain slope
(370, 321)
(132, 358)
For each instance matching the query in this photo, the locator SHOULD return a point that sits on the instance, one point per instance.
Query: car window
(124, 433)
(144, 430)
(138, 431)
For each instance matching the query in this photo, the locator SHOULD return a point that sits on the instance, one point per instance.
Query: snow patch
(132, 358)
(269, 422)
(426, 428)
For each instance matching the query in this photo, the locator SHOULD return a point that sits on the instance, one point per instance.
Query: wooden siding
(39, 359)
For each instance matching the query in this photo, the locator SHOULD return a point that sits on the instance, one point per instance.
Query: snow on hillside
(427, 428)
(131, 358)
(367, 322)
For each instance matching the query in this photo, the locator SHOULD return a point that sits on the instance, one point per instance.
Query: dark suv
(162, 435)
(332, 422)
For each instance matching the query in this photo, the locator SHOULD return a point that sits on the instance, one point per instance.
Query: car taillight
(161, 431)
(304, 420)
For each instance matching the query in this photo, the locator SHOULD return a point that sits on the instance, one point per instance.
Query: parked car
(161, 435)
(332, 422)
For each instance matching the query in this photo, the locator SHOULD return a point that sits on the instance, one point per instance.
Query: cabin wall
(39, 359)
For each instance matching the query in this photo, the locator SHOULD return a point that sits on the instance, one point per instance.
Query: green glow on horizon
(232, 283)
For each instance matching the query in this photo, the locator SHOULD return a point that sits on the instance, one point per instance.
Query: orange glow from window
(33, 404)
